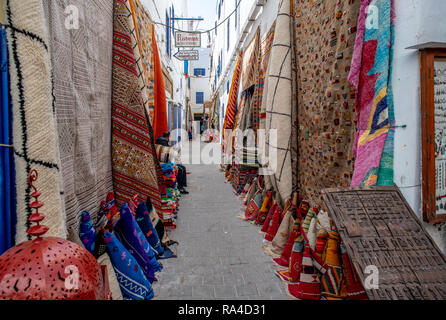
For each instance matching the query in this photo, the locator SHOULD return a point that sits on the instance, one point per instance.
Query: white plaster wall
(417, 21)
(200, 84)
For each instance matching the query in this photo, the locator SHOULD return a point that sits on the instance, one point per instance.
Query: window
(199, 98)
(167, 34)
(236, 13)
(216, 28)
(188, 83)
(199, 72)
(433, 92)
(219, 10)
(227, 87)
(229, 34)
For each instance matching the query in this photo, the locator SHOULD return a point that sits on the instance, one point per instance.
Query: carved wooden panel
(379, 229)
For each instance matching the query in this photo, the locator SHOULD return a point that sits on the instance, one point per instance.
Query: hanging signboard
(186, 55)
(187, 39)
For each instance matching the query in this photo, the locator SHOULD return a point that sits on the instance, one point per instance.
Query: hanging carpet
(371, 74)
(280, 115)
(134, 163)
(325, 35)
(36, 143)
(82, 78)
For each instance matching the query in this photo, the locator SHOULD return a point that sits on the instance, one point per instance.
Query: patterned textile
(143, 24)
(231, 109)
(7, 170)
(166, 154)
(157, 222)
(128, 235)
(375, 136)
(144, 222)
(331, 281)
(250, 63)
(109, 210)
(284, 260)
(325, 35)
(104, 260)
(308, 287)
(253, 208)
(134, 284)
(265, 49)
(87, 232)
(284, 231)
(257, 114)
(271, 212)
(263, 213)
(134, 160)
(82, 72)
(273, 225)
(35, 142)
(160, 125)
(353, 285)
(280, 106)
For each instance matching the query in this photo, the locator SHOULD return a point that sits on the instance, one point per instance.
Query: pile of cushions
(131, 241)
(170, 200)
(304, 244)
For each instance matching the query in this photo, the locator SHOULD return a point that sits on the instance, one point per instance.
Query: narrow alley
(196, 150)
(219, 255)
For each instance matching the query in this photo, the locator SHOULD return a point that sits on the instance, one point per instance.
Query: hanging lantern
(50, 268)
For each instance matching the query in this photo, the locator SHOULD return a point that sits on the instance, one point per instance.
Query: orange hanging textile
(160, 125)
(231, 110)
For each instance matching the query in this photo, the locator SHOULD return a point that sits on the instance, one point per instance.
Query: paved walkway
(219, 255)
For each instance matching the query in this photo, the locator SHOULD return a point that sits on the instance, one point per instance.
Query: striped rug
(134, 164)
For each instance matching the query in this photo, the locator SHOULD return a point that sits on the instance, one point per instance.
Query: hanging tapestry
(231, 109)
(258, 114)
(160, 125)
(251, 62)
(7, 171)
(325, 36)
(375, 136)
(134, 163)
(82, 78)
(36, 143)
(140, 50)
(280, 115)
(144, 28)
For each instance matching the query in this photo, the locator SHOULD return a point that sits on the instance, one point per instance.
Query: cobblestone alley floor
(219, 255)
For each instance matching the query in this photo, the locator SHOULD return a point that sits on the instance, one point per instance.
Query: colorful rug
(265, 47)
(82, 78)
(7, 170)
(36, 143)
(231, 109)
(134, 161)
(375, 137)
(325, 34)
(279, 107)
(250, 63)
(160, 125)
(257, 114)
(144, 28)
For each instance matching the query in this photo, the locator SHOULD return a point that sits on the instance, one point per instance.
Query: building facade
(198, 83)
(163, 14)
